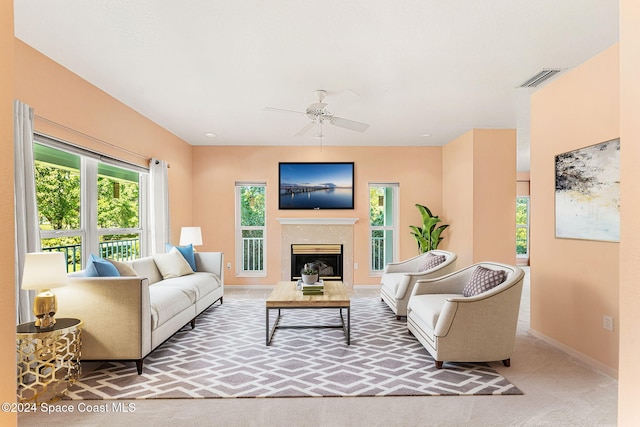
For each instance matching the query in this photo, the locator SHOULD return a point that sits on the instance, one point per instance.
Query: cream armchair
(455, 328)
(399, 278)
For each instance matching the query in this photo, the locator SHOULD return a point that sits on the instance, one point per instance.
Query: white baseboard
(590, 362)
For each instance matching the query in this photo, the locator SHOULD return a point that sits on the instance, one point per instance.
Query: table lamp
(43, 271)
(190, 235)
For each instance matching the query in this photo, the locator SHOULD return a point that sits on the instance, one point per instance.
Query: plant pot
(309, 279)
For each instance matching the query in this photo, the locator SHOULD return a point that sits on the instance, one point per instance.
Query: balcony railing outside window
(378, 261)
(119, 250)
(252, 251)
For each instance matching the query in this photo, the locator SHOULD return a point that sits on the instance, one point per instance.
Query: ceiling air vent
(541, 77)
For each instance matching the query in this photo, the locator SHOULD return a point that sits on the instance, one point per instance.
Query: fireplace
(326, 258)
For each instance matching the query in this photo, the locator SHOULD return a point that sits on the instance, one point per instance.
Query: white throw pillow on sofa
(172, 264)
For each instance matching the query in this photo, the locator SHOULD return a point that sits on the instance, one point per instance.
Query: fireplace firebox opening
(326, 258)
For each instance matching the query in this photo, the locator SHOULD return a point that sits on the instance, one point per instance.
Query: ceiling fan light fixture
(318, 114)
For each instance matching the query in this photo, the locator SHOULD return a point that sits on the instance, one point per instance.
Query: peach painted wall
(494, 203)
(7, 229)
(418, 170)
(573, 282)
(73, 110)
(629, 369)
(479, 189)
(457, 196)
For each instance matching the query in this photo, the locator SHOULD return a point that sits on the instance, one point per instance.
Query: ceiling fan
(319, 115)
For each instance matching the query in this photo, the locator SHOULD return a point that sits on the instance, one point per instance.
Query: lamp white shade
(44, 270)
(190, 235)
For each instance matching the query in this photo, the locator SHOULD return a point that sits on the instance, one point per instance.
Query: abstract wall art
(587, 194)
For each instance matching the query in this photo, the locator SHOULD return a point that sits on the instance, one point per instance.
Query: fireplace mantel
(317, 221)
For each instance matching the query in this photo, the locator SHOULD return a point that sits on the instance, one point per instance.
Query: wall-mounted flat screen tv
(316, 185)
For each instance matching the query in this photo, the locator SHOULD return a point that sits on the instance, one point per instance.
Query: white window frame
(240, 272)
(393, 227)
(89, 232)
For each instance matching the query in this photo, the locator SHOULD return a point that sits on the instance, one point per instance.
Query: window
(58, 199)
(250, 229)
(87, 204)
(383, 201)
(118, 212)
(522, 227)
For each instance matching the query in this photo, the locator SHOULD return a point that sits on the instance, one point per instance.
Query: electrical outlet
(607, 322)
(228, 266)
(355, 266)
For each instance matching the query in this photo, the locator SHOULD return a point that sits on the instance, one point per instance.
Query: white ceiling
(407, 68)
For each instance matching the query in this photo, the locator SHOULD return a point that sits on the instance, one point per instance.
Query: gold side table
(48, 360)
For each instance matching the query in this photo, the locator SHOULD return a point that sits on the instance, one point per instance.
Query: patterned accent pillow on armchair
(483, 279)
(431, 261)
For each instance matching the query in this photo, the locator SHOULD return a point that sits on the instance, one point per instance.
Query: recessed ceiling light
(426, 135)
(210, 135)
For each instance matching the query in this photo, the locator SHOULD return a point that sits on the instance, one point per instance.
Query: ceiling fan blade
(348, 124)
(305, 129)
(280, 110)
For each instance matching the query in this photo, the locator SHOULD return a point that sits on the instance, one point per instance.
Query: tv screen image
(316, 185)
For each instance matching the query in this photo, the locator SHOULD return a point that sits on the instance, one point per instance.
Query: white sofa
(125, 318)
(457, 328)
(399, 278)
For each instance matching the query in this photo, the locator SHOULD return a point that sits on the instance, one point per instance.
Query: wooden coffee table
(286, 296)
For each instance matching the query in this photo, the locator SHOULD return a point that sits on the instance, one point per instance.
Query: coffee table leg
(271, 331)
(348, 325)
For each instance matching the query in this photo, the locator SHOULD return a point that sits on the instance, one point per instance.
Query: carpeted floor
(225, 356)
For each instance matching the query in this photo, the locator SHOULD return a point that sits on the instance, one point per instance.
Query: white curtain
(159, 200)
(27, 236)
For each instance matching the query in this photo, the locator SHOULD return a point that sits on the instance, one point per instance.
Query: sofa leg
(139, 366)
(439, 364)
(221, 298)
(506, 362)
(193, 323)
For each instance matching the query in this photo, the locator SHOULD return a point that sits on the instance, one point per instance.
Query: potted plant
(309, 275)
(428, 236)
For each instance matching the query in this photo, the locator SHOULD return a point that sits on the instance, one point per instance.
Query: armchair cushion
(431, 261)
(430, 307)
(483, 279)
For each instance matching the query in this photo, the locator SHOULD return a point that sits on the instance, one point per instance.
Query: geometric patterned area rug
(225, 356)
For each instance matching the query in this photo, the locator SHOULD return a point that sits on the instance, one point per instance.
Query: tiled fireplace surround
(318, 230)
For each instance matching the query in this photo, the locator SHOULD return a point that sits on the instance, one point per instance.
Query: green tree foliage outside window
(253, 207)
(522, 225)
(376, 210)
(117, 203)
(58, 197)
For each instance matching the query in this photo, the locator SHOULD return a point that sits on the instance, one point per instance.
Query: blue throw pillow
(187, 253)
(98, 267)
